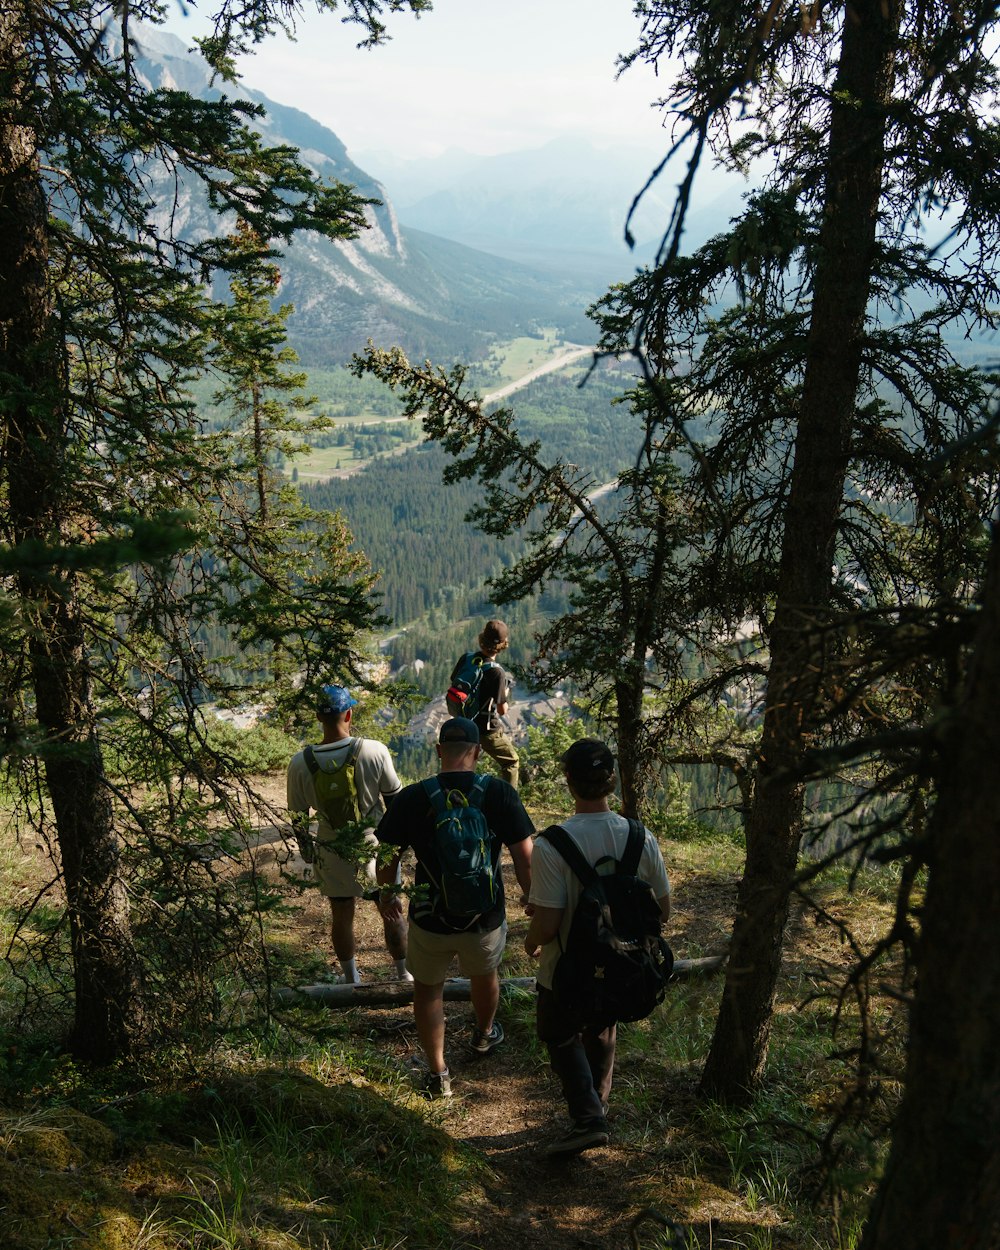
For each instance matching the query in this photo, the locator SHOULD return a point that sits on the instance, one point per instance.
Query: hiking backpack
(336, 788)
(463, 694)
(615, 965)
(462, 839)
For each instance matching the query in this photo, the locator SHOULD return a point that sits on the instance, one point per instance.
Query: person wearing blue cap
(343, 779)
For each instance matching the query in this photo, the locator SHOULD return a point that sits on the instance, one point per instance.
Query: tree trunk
(628, 709)
(35, 467)
(941, 1186)
(840, 296)
(456, 989)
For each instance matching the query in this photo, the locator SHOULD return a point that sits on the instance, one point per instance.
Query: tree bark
(833, 360)
(36, 469)
(941, 1185)
(456, 989)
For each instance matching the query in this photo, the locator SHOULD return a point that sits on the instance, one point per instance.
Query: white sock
(349, 967)
(401, 970)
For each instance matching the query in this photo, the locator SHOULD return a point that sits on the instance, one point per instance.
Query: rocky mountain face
(392, 284)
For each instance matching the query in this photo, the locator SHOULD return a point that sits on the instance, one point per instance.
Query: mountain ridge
(397, 285)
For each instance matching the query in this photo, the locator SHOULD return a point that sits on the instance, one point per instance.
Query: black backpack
(615, 965)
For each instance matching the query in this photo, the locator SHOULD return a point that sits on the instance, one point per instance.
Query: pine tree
(829, 392)
(112, 492)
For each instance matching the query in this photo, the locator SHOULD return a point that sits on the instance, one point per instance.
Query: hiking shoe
(578, 1137)
(482, 1043)
(435, 1085)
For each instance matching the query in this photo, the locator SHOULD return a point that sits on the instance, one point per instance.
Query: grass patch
(305, 1132)
(247, 1160)
(512, 360)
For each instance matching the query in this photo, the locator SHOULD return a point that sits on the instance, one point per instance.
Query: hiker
(461, 912)
(480, 690)
(582, 1050)
(355, 779)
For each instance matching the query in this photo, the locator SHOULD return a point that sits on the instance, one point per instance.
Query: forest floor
(726, 1180)
(507, 1105)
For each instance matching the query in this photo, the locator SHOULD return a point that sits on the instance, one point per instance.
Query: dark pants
(499, 747)
(582, 1057)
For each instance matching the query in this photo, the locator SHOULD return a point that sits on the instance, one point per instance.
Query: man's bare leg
(428, 1015)
(484, 990)
(342, 934)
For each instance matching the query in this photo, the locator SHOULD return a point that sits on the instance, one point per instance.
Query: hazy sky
(486, 76)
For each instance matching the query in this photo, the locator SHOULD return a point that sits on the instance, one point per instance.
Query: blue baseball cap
(333, 699)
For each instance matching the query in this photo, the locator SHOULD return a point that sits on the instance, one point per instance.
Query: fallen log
(456, 989)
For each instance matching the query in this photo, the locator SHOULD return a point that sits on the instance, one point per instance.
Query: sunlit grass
(306, 1132)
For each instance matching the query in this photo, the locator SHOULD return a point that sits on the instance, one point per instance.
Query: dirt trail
(505, 1105)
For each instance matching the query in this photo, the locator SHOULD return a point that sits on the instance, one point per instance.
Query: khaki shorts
(429, 955)
(337, 878)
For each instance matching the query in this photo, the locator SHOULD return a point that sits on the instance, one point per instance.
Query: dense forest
(413, 530)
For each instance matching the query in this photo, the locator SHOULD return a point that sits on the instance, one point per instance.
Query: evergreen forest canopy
(797, 579)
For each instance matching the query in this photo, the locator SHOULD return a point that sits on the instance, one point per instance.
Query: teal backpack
(463, 696)
(468, 885)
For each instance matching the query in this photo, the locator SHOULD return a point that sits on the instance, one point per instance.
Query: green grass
(322, 463)
(304, 1132)
(512, 360)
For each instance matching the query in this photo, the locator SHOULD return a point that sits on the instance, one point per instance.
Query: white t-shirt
(374, 776)
(376, 782)
(554, 884)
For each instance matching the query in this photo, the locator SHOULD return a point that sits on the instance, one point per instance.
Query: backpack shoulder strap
(314, 766)
(571, 853)
(478, 791)
(629, 862)
(432, 788)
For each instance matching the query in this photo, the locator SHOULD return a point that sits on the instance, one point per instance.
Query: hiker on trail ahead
(343, 779)
(480, 690)
(457, 824)
(581, 1039)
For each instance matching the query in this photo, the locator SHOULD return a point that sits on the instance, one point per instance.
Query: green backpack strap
(313, 764)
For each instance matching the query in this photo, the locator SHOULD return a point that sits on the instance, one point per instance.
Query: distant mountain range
(394, 284)
(562, 206)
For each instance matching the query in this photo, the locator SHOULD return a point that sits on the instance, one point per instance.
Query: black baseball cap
(459, 729)
(588, 760)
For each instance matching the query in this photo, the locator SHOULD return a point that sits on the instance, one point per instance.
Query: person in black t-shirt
(494, 698)
(435, 937)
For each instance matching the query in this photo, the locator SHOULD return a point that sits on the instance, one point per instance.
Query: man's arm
(503, 693)
(390, 904)
(544, 928)
(298, 814)
(664, 901)
(303, 836)
(520, 854)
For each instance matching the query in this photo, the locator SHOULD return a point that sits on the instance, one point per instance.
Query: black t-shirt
(409, 822)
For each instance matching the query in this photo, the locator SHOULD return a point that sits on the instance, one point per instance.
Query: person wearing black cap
(493, 698)
(582, 1053)
(376, 784)
(436, 935)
